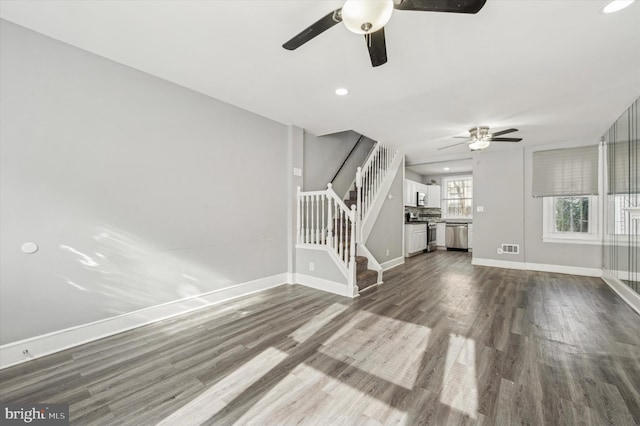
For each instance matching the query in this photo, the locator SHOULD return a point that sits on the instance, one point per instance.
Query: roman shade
(565, 172)
(623, 163)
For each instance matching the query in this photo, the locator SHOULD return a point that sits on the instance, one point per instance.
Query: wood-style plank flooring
(440, 342)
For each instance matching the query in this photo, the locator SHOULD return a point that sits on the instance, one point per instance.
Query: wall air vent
(510, 248)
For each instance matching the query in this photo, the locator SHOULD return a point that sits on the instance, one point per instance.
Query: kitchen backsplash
(421, 212)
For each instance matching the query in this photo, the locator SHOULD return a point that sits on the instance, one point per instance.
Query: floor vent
(510, 248)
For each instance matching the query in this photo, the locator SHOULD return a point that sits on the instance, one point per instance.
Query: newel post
(329, 217)
(353, 287)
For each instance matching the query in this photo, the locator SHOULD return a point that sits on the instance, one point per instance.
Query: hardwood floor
(440, 342)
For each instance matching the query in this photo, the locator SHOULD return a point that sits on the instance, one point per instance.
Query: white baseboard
(562, 269)
(625, 275)
(498, 263)
(631, 297)
(542, 267)
(322, 284)
(46, 344)
(392, 263)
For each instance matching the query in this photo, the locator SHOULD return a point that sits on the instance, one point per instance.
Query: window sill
(581, 241)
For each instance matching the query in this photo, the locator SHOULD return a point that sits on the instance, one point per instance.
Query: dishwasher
(456, 236)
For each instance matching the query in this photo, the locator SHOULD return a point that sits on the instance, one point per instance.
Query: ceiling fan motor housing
(366, 16)
(479, 133)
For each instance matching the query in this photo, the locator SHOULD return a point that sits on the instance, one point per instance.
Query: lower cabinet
(415, 238)
(470, 236)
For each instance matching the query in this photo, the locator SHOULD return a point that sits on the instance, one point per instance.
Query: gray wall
(295, 161)
(138, 191)
(323, 265)
(502, 185)
(347, 174)
(389, 227)
(580, 255)
(323, 156)
(411, 175)
(497, 186)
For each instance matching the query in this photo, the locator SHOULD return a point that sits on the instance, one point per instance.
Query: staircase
(340, 226)
(365, 278)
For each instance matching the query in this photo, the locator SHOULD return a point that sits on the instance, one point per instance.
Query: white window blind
(623, 162)
(562, 172)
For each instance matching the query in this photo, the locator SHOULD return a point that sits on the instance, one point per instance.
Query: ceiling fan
(480, 138)
(369, 17)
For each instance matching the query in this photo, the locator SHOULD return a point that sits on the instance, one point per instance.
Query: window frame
(550, 235)
(444, 193)
(610, 236)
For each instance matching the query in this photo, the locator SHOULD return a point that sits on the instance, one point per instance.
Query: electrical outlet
(499, 250)
(387, 252)
(312, 266)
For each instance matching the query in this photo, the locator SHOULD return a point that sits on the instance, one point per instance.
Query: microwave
(422, 199)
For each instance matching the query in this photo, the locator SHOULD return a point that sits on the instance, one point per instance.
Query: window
(621, 220)
(457, 197)
(570, 218)
(567, 179)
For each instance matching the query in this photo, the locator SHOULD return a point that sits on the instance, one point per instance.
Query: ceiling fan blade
(450, 146)
(455, 6)
(377, 46)
(505, 139)
(503, 132)
(461, 137)
(314, 30)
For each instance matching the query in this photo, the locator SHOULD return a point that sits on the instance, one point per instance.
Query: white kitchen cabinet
(433, 196)
(441, 229)
(410, 191)
(415, 238)
(470, 236)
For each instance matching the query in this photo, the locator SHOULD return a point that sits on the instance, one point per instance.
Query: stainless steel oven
(431, 236)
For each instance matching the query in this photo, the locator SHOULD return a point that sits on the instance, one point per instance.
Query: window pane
(571, 214)
(621, 218)
(457, 199)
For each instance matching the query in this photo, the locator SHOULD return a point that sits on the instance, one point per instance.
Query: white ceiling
(443, 167)
(558, 70)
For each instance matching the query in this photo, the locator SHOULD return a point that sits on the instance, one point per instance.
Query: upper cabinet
(411, 189)
(433, 196)
(410, 193)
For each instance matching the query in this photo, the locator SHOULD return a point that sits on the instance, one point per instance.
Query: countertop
(418, 222)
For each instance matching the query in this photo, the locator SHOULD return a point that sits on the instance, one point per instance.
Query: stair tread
(366, 274)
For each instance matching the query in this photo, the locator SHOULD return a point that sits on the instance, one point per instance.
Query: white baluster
(323, 224)
(317, 197)
(329, 223)
(298, 218)
(340, 236)
(359, 193)
(352, 249)
(369, 189)
(306, 207)
(375, 173)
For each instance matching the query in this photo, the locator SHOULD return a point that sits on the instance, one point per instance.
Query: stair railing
(370, 177)
(324, 220)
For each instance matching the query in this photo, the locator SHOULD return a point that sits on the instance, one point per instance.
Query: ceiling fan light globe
(366, 16)
(479, 144)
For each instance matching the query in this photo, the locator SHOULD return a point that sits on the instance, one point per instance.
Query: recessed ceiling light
(341, 91)
(616, 5)
(447, 168)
